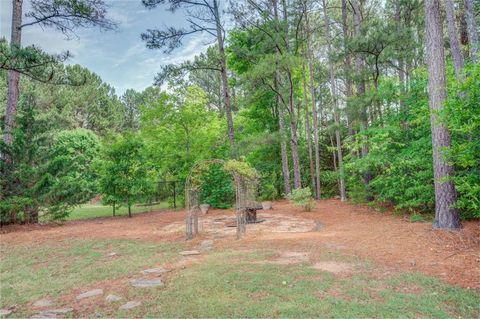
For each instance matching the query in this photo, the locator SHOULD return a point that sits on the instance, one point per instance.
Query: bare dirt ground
(389, 240)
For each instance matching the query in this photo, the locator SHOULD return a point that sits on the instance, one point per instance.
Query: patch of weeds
(415, 218)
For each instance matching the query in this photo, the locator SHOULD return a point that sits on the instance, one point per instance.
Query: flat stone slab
(129, 305)
(113, 298)
(206, 245)
(42, 303)
(91, 293)
(5, 312)
(146, 283)
(52, 313)
(159, 270)
(189, 253)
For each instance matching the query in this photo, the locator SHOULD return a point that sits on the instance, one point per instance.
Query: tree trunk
(129, 210)
(281, 119)
(13, 78)
(297, 179)
(446, 216)
(335, 105)
(401, 62)
(308, 130)
(113, 207)
(283, 147)
(474, 44)
(316, 146)
(453, 37)
(224, 72)
(359, 64)
(347, 68)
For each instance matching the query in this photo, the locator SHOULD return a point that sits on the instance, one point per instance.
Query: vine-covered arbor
(245, 180)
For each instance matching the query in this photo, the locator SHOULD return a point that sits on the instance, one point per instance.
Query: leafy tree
(126, 177)
(180, 130)
(69, 177)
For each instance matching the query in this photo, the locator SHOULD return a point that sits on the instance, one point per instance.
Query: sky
(119, 57)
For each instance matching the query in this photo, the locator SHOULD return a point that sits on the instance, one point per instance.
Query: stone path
(5, 312)
(129, 305)
(189, 253)
(52, 313)
(91, 293)
(113, 298)
(42, 303)
(159, 270)
(139, 283)
(146, 283)
(206, 245)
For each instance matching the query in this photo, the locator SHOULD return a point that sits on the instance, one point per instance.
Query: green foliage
(302, 197)
(399, 157)
(329, 180)
(126, 177)
(415, 218)
(69, 178)
(241, 168)
(179, 131)
(463, 118)
(216, 187)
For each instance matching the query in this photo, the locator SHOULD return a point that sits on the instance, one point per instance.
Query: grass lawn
(97, 210)
(32, 272)
(226, 283)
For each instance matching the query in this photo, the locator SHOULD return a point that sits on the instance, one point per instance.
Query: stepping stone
(42, 303)
(129, 305)
(53, 313)
(146, 283)
(189, 253)
(91, 293)
(206, 245)
(5, 312)
(113, 298)
(159, 270)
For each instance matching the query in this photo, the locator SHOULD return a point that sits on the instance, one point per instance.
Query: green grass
(31, 272)
(226, 287)
(224, 284)
(93, 211)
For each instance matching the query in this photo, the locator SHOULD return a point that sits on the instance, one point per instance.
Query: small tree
(69, 177)
(125, 173)
(302, 197)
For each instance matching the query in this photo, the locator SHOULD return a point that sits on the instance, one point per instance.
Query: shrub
(414, 218)
(302, 197)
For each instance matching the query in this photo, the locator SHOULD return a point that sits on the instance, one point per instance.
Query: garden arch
(245, 179)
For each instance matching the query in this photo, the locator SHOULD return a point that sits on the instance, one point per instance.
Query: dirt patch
(334, 267)
(223, 224)
(287, 258)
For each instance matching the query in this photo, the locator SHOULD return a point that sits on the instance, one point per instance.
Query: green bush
(400, 149)
(302, 197)
(216, 187)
